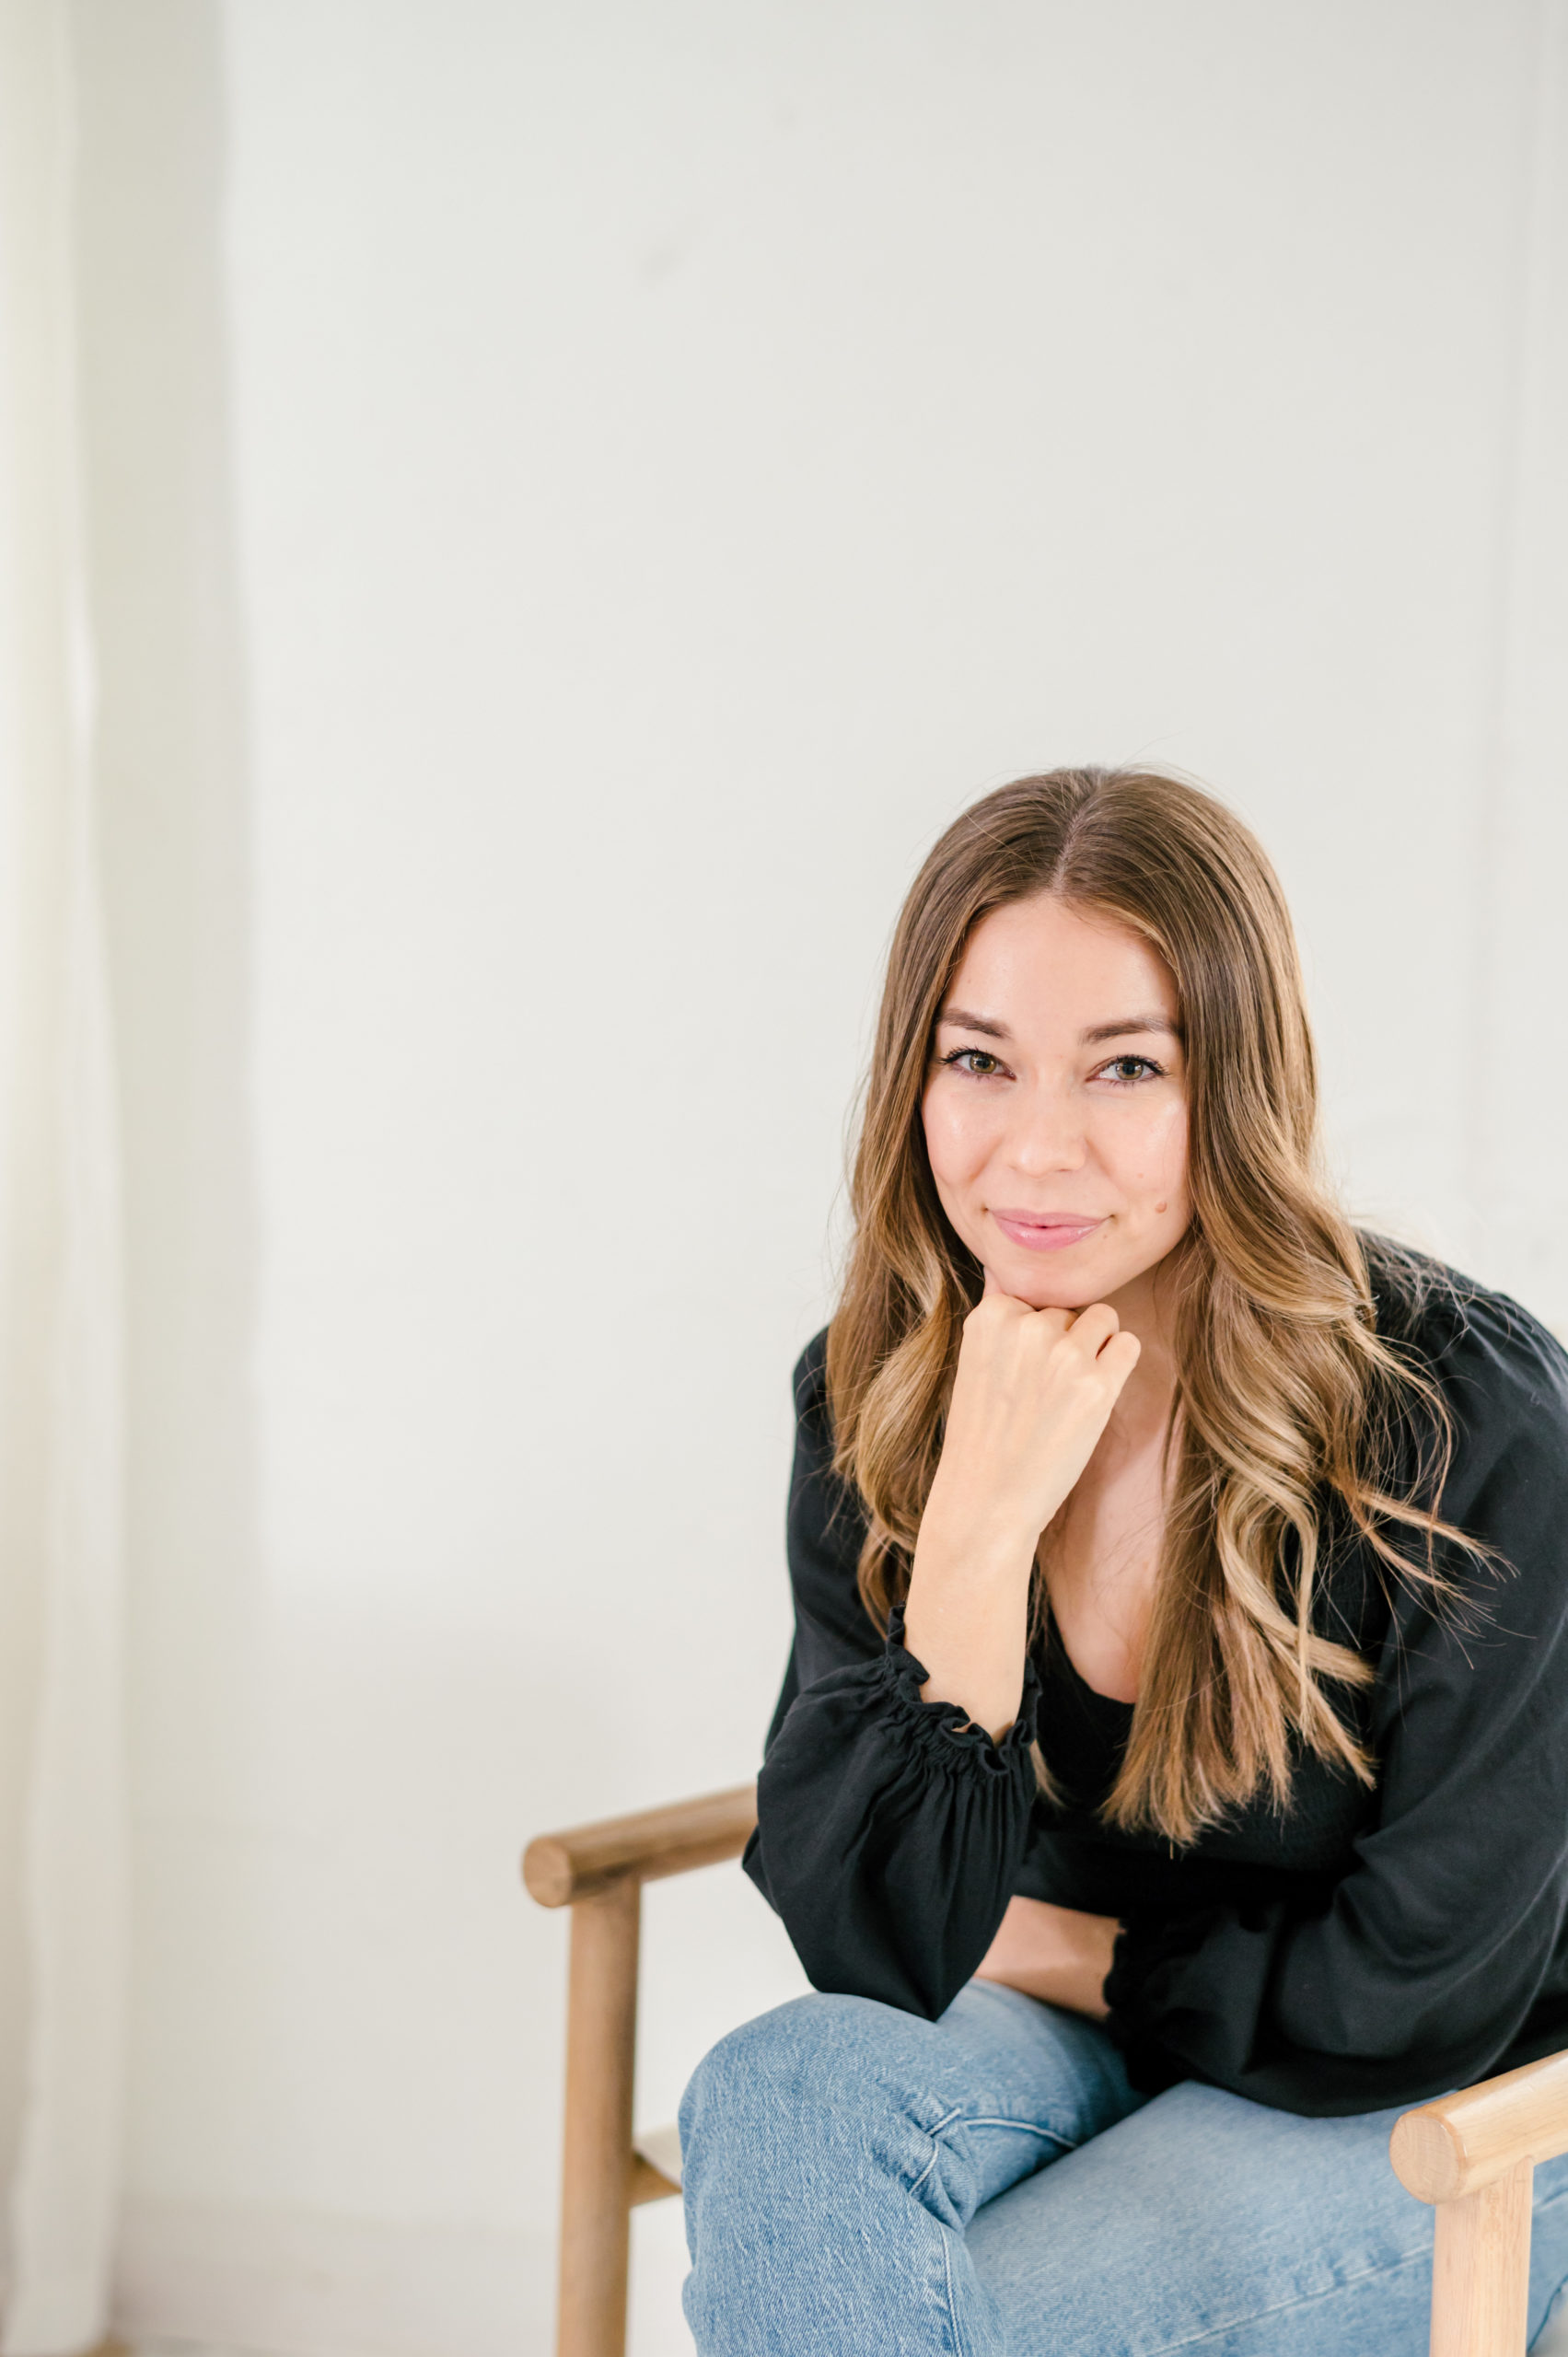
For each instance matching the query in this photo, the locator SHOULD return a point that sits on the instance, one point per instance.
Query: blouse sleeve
(888, 1831)
(1424, 1966)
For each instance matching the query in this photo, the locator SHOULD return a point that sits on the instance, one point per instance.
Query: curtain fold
(63, 1838)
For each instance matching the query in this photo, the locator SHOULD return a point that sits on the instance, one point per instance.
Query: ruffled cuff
(945, 1731)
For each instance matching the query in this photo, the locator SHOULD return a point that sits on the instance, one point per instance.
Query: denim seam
(1022, 2127)
(948, 2275)
(946, 2121)
(1026, 2128)
(1280, 2307)
(1019, 2127)
(1195, 2341)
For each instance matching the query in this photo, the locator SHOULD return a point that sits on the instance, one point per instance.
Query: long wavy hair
(1291, 1406)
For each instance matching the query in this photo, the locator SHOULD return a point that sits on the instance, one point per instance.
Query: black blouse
(1361, 1948)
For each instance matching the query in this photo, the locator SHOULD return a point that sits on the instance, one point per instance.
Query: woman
(1170, 1781)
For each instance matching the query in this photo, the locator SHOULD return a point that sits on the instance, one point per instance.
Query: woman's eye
(975, 1061)
(1126, 1070)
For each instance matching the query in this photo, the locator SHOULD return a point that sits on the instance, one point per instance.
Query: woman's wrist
(971, 1640)
(979, 1551)
(966, 1617)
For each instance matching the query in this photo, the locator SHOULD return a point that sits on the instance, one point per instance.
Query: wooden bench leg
(1480, 2282)
(601, 2037)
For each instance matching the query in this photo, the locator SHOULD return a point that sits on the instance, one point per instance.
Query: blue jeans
(859, 2182)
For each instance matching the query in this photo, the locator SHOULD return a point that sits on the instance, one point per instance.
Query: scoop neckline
(1057, 1651)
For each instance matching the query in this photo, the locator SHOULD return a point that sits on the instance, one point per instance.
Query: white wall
(581, 495)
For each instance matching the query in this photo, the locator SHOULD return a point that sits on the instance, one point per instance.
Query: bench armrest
(1452, 2146)
(561, 1868)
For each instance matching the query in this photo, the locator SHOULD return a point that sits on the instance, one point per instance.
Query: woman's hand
(1033, 1393)
(1053, 1953)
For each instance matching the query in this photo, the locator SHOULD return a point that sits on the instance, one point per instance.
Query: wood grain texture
(1450, 2148)
(1481, 2271)
(597, 2168)
(562, 1868)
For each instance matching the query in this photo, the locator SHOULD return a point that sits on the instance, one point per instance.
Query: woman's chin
(1048, 1288)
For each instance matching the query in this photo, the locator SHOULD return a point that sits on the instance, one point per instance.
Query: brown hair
(1288, 1396)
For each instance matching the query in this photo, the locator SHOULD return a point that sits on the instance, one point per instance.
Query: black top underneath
(1362, 1948)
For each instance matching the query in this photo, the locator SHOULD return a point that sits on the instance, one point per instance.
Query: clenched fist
(1033, 1393)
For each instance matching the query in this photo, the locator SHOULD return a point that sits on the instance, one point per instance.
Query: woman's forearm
(1057, 1953)
(966, 1620)
(1031, 1397)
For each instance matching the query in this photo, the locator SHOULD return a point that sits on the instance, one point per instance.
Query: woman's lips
(1046, 1231)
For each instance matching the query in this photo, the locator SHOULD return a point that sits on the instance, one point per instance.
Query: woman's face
(1056, 1107)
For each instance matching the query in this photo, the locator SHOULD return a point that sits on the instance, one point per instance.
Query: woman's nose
(1048, 1133)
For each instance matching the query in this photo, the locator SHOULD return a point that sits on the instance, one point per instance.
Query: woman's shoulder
(820, 1497)
(1454, 1323)
(1502, 1373)
(812, 1381)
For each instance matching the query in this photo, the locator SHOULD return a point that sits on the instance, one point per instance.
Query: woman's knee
(782, 2051)
(801, 2071)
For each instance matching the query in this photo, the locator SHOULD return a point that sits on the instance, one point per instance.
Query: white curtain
(62, 1783)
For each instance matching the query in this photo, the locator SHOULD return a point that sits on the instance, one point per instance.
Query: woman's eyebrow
(1125, 1025)
(962, 1020)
